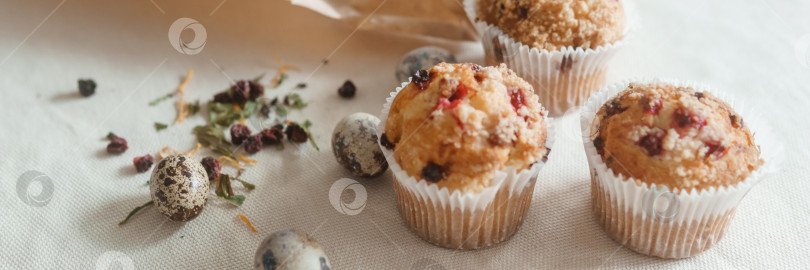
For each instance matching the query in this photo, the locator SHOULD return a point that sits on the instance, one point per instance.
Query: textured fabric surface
(757, 50)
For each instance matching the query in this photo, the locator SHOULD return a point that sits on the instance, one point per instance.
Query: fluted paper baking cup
(651, 219)
(564, 78)
(463, 220)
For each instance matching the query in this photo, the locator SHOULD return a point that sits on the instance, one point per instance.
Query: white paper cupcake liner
(651, 219)
(463, 220)
(562, 79)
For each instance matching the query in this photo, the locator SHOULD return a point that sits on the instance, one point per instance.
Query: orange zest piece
(182, 111)
(246, 160)
(168, 151)
(245, 219)
(284, 68)
(194, 151)
(230, 161)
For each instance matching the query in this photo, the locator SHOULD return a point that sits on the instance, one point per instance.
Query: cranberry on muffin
(674, 136)
(455, 125)
(554, 24)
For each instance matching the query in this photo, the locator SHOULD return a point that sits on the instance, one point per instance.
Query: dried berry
(475, 67)
(518, 99)
(239, 133)
(699, 95)
(253, 143)
(716, 149)
(212, 167)
(223, 97)
(256, 90)
(385, 142)
(614, 107)
(653, 142)
(265, 110)
(651, 106)
(421, 78)
(143, 163)
(599, 143)
(296, 133)
(432, 172)
(240, 92)
(271, 136)
(87, 87)
(347, 90)
(117, 145)
(684, 119)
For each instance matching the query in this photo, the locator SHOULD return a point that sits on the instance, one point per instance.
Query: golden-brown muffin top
(553, 24)
(674, 136)
(455, 125)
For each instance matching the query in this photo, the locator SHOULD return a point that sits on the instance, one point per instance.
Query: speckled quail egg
(179, 187)
(422, 58)
(354, 143)
(290, 250)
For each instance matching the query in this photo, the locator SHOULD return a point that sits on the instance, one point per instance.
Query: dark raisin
(653, 142)
(223, 97)
(117, 145)
(296, 133)
(614, 107)
(279, 127)
(143, 163)
(255, 90)
(599, 143)
(685, 119)
(699, 95)
(421, 78)
(253, 143)
(432, 172)
(347, 90)
(265, 110)
(385, 142)
(651, 106)
(240, 92)
(271, 136)
(87, 87)
(716, 149)
(212, 167)
(239, 133)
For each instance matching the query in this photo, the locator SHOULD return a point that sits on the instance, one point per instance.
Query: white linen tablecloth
(758, 50)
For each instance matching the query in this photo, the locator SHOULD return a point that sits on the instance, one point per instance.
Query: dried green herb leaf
(161, 99)
(213, 137)
(282, 111)
(301, 85)
(294, 100)
(160, 126)
(237, 200)
(260, 77)
(193, 108)
(247, 185)
(136, 211)
(223, 114)
(111, 136)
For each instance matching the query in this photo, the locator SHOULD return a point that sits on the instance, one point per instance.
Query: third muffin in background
(562, 47)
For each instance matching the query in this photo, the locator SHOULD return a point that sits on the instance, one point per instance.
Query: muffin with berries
(465, 144)
(668, 160)
(562, 47)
